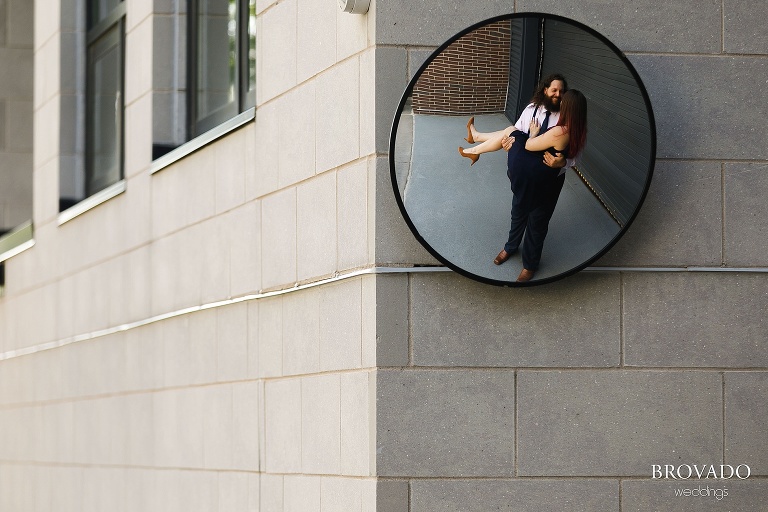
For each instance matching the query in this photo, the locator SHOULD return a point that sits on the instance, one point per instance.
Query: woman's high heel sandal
(470, 138)
(472, 157)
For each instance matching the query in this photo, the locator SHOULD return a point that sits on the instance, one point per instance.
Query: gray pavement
(463, 212)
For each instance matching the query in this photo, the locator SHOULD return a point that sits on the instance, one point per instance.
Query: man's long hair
(539, 96)
(573, 119)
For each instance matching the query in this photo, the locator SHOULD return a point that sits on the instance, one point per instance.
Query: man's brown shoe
(525, 275)
(502, 257)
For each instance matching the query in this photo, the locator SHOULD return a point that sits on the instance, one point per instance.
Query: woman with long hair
(546, 98)
(535, 185)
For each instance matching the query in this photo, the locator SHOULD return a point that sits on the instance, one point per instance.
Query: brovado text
(686, 471)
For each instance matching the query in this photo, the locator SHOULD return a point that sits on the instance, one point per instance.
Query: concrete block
(519, 495)
(262, 177)
(746, 396)
(276, 38)
(687, 26)
(202, 347)
(321, 424)
(233, 491)
(745, 233)
(245, 426)
(139, 425)
(689, 320)
(357, 430)
(245, 249)
(680, 222)
(232, 336)
(706, 495)
(283, 427)
(391, 80)
(278, 237)
(340, 325)
(214, 257)
(351, 34)
(352, 215)
(458, 322)
(340, 494)
(296, 143)
(301, 493)
(271, 491)
(388, 298)
(426, 23)
(301, 332)
(316, 232)
(445, 423)
(144, 361)
(742, 30)
(253, 339)
(368, 101)
(337, 135)
(603, 423)
(230, 171)
(415, 60)
(693, 134)
(270, 338)
(178, 432)
(254, 496)
(392, 496)
(369, 333)
(316, 31)
(217, 421)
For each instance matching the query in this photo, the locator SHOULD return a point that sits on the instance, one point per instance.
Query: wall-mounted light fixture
(355, 6)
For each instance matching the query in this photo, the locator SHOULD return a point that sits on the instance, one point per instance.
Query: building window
(221, 70)
(104, 96)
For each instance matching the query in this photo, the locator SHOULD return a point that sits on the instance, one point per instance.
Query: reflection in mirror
(492, 81)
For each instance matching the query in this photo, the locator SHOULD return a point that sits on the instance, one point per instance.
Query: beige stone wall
(141, 365)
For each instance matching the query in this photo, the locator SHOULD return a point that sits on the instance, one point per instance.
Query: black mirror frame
(409, 90)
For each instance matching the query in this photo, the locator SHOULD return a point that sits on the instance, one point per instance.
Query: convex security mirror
(468, 199)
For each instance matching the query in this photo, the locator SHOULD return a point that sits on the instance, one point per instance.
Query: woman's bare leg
(489, 141)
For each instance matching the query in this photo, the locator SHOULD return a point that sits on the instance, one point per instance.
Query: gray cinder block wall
(136, 374)
(562, 397)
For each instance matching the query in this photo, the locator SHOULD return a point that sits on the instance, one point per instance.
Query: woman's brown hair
(573, 119)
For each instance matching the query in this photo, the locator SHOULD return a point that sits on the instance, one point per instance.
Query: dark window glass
(104, 96)
(222, 68)
(105, 107)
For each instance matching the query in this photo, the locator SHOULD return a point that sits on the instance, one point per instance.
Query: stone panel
(744, 29)
(276, 58)
(321, 424)
(746, 407)
(430, 23)
(341, 325)
(278, 236)
(702, 319)
(517, 495)
(458, 322)
(706, 495)
(338, 115)
(316, 31)
(746, 232)
(680, 222)
(703, 96)
(316, 227)
(688, 26)
(283, 427)
(445, 423)
(604, 423)
(301, 493)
